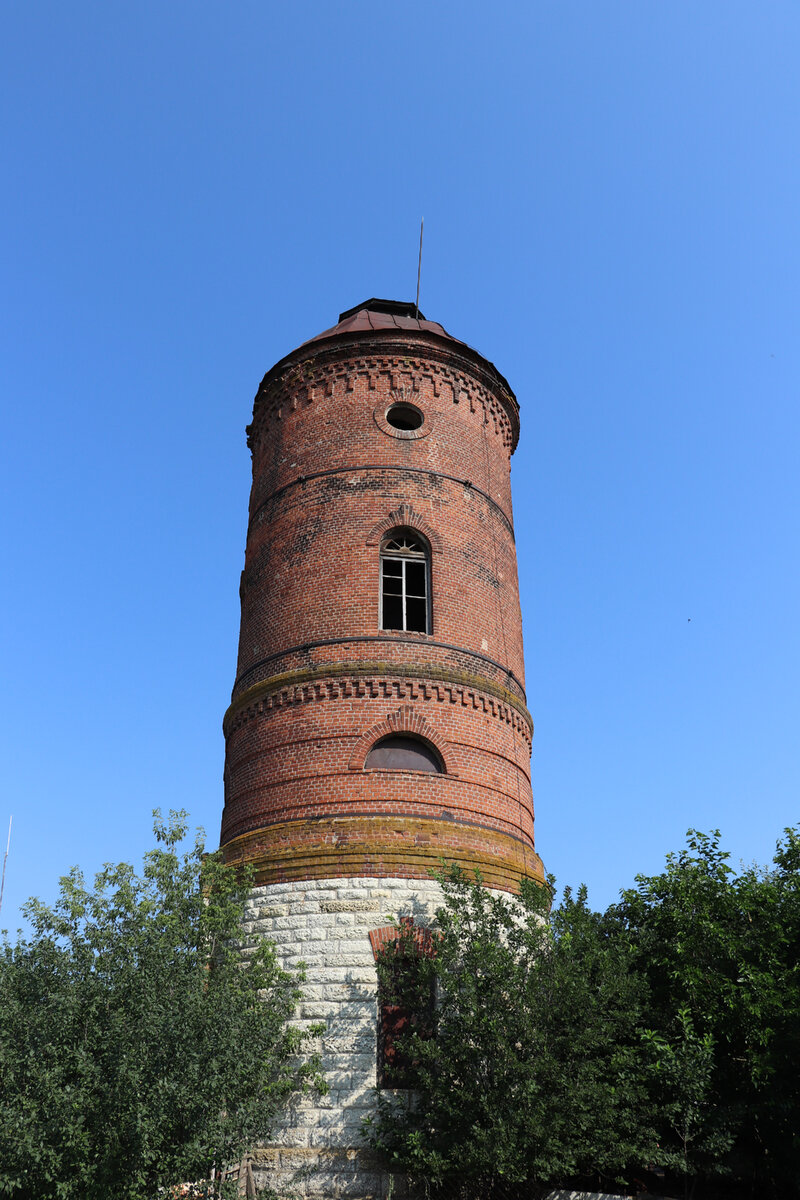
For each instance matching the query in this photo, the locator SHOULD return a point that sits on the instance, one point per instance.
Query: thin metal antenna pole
(5, 860)
(419, 267)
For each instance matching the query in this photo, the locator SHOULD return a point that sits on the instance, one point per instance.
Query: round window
(404, 416)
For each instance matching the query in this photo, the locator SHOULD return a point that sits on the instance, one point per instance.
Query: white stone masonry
(317, 1151)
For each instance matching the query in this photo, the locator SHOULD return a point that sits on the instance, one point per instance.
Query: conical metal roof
(375, 314)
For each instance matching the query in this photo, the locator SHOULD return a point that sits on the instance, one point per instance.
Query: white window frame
(422, 556)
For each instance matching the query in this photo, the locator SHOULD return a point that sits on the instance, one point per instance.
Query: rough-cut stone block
(316, 1010)
(364, 904)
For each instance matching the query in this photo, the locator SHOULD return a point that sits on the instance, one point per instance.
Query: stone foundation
(317, 1151)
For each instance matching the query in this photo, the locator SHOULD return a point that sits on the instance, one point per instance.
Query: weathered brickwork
(311, 549)
(318, 679)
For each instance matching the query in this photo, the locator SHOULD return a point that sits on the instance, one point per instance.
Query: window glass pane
(416, 615)
(392, 612)
(415, 578)
(392, 578)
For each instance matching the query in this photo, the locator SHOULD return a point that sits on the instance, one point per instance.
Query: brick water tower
(378, 722)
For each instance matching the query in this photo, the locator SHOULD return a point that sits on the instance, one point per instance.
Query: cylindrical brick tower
(378, 723)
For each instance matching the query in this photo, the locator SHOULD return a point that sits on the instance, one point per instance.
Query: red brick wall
(317, 678)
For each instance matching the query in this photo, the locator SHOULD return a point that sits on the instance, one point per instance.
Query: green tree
(720, 952)
(573, 1045)
(681, 1068)
(534, 1070)
(140, 1045)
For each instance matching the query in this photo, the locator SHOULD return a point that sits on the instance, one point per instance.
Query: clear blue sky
(610, 193)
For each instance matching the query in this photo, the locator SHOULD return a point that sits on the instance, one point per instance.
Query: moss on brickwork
(398, 847)
(385, 670)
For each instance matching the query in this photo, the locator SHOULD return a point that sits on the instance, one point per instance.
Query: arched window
(399, 752)
(405, 582)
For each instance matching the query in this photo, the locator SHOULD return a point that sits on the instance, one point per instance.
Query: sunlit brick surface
(318, 680)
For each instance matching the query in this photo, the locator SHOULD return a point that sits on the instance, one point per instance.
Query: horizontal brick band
(372, 467)
(326, 682)
(396, 847)
(423, 670)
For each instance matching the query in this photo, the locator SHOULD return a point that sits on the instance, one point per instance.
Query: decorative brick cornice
(424, 670)
(329, 370)
(405, 720)
(405, 517)
(378, 680)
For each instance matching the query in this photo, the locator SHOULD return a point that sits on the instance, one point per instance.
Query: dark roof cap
(384, 314)
(394, 308)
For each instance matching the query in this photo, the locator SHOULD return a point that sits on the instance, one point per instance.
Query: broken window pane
(392, 612)
(416, 615)
(415, 578)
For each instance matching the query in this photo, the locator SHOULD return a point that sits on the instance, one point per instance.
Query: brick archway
(405, 720)
(406, 517)
(419, 937)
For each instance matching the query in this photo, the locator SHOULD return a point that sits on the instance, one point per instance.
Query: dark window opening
(406, 1005)
(404, 416)
(401, 753)
(404, 584)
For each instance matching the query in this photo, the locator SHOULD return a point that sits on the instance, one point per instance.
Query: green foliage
(720, 952)
(139, 1045)
(695, 1133)
(576, 1045)
(532, 1072)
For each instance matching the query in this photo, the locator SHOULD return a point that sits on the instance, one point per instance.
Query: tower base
(317, 1150)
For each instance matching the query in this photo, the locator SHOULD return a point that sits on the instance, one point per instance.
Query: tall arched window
(405, 582)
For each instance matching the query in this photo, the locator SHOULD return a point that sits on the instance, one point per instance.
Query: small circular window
(404, 416)
(400, 419)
